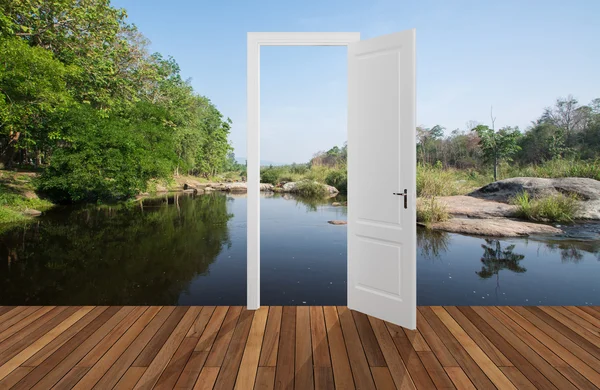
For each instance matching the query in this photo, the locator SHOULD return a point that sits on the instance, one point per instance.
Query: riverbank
(18, 200)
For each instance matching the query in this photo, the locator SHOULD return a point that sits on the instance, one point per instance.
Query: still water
(191, 250)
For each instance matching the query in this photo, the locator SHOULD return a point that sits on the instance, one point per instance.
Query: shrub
(553, 208)
(430, 211)
(269, 175)
(310, 189)
(338, 179)
(436, 181)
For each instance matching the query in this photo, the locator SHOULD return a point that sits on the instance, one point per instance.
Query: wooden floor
(298, 348)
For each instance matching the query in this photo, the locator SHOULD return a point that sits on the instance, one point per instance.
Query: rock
(496, 227)
(588, 191)
(189, 186)
(337, 222)
(467, 206)
(292, 187)
(161, 188)
(30, 195)
(32, 213)
(266, 187)
(336, 204)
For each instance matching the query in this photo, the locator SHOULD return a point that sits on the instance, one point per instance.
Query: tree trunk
(495, 169)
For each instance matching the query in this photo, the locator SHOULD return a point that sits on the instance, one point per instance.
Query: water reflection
(496, 258)
(132, 254)
(432, 244)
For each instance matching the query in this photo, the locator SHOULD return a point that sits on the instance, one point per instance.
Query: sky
(514, 56)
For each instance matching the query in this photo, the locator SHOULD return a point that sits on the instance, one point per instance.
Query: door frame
(254, 41)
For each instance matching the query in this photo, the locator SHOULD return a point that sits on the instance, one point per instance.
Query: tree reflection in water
(128, 254)
(495, 259)
(432, 243)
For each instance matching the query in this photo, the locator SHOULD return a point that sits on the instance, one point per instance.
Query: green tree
(498, 146)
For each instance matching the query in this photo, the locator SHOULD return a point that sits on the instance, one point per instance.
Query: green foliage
(554, 208)
(498, 146)
(108, 158)
(57, 57)
(338, 179)
(311, 189)
(270, 175)
(436, 181)
(559, 168)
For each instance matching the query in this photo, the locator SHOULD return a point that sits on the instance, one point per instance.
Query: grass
(558, 168)
(553, 208)
(430, 211)
(437, 181)
(17, 195)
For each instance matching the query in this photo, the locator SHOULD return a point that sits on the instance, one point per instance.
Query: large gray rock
(588, 191)
(495, 227)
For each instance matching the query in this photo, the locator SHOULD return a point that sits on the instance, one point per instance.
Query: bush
(554, 208)
(557, 168)
(436, 181)
(269, 175)
(338, 179)
(310, 189)
(430, 211)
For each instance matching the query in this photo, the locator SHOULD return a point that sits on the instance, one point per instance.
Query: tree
(498, 146)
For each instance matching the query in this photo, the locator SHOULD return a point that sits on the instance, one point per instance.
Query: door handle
(405, 195)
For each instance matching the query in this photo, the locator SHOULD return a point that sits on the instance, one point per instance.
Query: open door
(382, 260)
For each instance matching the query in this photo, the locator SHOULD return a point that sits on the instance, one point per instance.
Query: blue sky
(517, 56)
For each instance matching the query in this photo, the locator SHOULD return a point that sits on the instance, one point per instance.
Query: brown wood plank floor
(208, 347)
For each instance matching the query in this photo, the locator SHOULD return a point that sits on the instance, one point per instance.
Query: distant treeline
(81, 96)
(566, 130)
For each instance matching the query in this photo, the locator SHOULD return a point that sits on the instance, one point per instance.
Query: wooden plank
(192, 370)
(212, 329)
(67, 357)
(207, 378)
(152, 374)
(130, 378)
(559, 364)
(68, 381)
(368, 340)
(459, 378)
(127, 358)
(564, 353)
(150, 351)
(268, 354)
(12, 346)
(49, 364)
(342, 372)
(320, 344)
(517, 378)
(249, 365)
(265, 376)
(116, 350)
(34, 317)
(223, 338)
(486, 364)
(37, 345)
(438, 375)
(356, 354)
(584, 331)
(585, 315)
(549, 373)
(58, 342)
(383, 379)
(323, 378)
(486, 345)
(231, 364)
(111, 338)
(409, 356)
(304, 361)
(566, 331)
(416, 339)
(397, 368)
(14, 377)
(6, 309)
(17, 316)
(200, 324)
(591, 311)
(284, 373)
(442, 353)
(171, 373)
(464, 360)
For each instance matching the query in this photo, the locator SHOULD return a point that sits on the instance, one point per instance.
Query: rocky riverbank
(488, 211)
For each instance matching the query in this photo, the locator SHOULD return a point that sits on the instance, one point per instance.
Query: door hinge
(405, 195)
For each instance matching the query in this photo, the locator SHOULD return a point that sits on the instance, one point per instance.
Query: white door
(382, 278)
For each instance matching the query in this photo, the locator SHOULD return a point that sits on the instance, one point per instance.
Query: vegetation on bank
(82, 97)
(17, 197)
(554, 208)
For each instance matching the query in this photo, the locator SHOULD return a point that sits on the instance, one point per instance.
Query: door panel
(382, 162)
